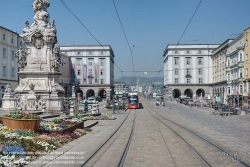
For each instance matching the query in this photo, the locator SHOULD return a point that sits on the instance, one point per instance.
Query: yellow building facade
(246, 84)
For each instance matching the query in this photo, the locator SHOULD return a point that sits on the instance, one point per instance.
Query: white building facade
(120, 88)
(187, 70)
(91, 70)
(10, 42)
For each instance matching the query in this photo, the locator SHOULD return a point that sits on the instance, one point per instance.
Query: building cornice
(9, 30)
(219, 83)
(176, 85)
(222, 47)
(8, 80)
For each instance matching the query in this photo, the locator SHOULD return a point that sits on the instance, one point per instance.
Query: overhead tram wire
(131, 51)
(87, 30)
(182, 34)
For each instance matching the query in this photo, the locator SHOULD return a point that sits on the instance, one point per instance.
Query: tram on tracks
(133, 100)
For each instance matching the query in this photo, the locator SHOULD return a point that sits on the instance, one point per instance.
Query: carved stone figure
(26, 28)
(53, 23)
(26, 24)
(31, 86)
(43, 104)
(40, 5)
(41, 19)
(21, 58)
(54, 88)
(72, 108)
(37, 40)
(56, 60)
(56, 48)
(8, 88)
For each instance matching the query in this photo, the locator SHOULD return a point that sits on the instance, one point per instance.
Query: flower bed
(20, 120)
(61, 126)
(79, 125)
(103, 116)
(19, 147)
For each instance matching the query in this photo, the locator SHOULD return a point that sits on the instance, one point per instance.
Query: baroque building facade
(187, 70)
(91, 69)
(235, 70)
(219, 59)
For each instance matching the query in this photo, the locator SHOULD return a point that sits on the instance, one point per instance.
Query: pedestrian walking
(116, 105)
(190, 103)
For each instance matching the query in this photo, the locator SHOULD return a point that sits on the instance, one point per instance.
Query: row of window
(5, 71)
(90, 61)
(188, 71)
(219, 67)
(188, 60)
(5, 54)
(234, 61)
(91, 53)
(188, 80)
(219, 78)
(90, 81)
(235, 75)
(234, 90)
(90, 72)
(188, 52)
(4, 38)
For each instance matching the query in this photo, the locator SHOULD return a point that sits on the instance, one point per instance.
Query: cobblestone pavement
(231, 132)
(148, 148)
(76, 152)
(155, 145)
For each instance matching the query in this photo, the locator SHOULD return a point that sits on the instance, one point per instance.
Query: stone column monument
(39, 63)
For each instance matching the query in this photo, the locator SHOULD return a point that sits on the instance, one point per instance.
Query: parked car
(91, 100)
(197, 103)
(190, 102)
(183, 99)
(98, 98)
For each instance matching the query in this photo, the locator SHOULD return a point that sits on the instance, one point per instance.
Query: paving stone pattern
(231, 132)
(153, 146)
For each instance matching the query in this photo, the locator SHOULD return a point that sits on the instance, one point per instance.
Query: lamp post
(237, 94)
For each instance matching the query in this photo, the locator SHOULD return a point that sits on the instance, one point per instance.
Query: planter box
(69, 129)
(24, 124)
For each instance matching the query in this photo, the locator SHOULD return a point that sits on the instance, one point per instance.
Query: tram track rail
(128, 144)
(123, 157)
(148, 107)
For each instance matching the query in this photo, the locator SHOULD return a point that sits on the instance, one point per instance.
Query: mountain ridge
(142, 80)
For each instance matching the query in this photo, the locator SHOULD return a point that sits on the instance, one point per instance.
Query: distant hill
(142, 81)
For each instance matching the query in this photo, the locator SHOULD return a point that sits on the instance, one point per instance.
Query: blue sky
(150, 25)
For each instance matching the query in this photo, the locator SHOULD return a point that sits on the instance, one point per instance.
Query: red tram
(133, 101)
